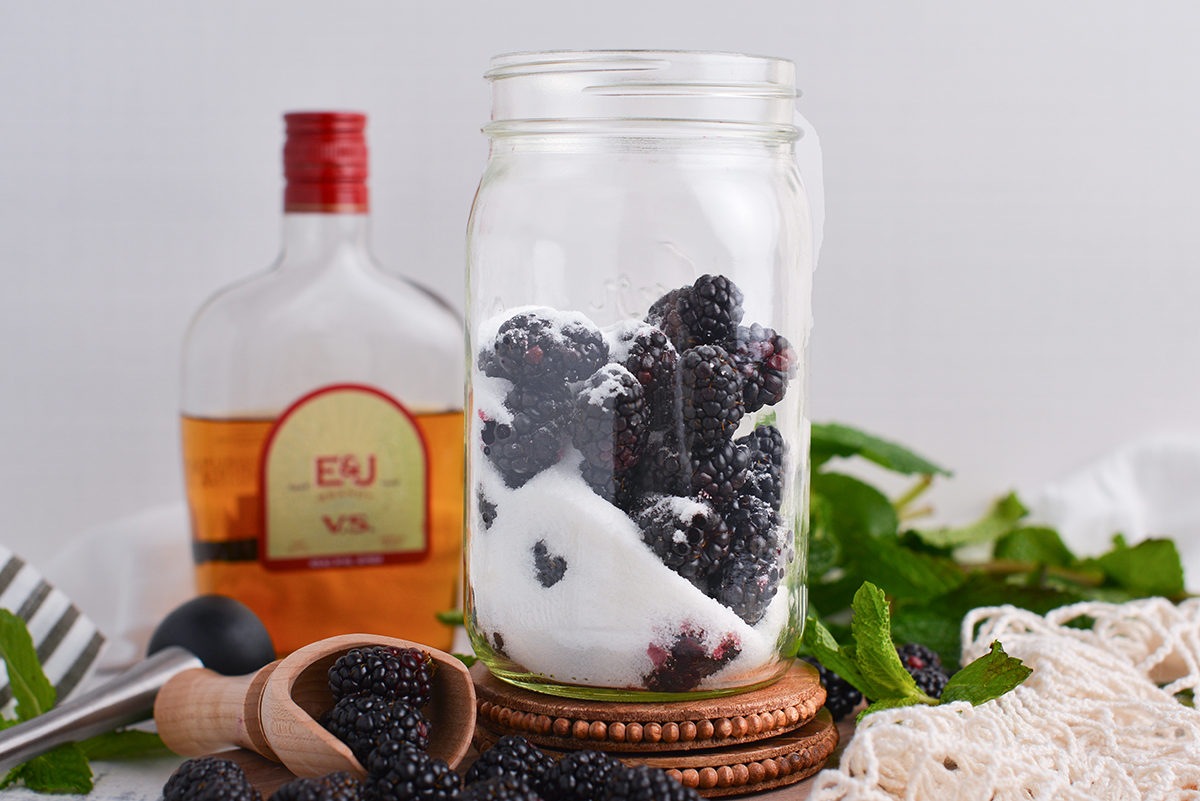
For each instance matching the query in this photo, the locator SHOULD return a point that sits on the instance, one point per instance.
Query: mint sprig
(66, 768)
(872, 666)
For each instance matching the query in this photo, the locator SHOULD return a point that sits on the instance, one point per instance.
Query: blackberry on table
(840, 696)
(766, 361)
(340, 786)
(210, 779)
(511, 756)
(653, 361)
(549, 567)
(387, 671)
(579, 776)
(500, 788)
(687, 535)
(533, 439)
(399, 772)
(646, 783)
(719, 471)
(712, 394)
(747, 582)
(365, 721)
(536, 347)
(925, 666)
(610, 424)
(710, 313)
(931, 680)
(687, 662)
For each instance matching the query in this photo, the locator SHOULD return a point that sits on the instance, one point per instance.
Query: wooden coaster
(570, 724)
(737, 769)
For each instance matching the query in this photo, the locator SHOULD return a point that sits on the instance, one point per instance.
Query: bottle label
(344, 483)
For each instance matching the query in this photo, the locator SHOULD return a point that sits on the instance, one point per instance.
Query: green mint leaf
(824, 551)
(821, 644)
(832, 439)
(1151, 567)
(854, 508)
(903, 573)
(1036, 545)
(1000, 520)
(33, 691)
(63, 770)
(765, 418)
(894, 703)
(990, 676)
(451, 617)
(127, 743)
(466, 659)
(874, 654)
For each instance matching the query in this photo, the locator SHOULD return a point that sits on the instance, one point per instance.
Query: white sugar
(620, 336)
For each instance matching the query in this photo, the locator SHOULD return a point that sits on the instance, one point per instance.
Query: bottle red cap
(325, 162)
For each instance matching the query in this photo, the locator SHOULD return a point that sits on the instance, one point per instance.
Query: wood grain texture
(200, 711)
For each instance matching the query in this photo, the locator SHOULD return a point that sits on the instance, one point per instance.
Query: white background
(1008, 280)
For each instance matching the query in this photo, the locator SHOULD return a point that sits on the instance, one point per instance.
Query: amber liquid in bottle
(222, 460)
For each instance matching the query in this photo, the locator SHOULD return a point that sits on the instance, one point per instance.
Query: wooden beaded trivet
(733, 770)
(571, 724)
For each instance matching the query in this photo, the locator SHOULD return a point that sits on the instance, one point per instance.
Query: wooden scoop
(274, 711)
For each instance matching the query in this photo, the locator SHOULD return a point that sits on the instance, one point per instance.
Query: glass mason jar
(638, 300)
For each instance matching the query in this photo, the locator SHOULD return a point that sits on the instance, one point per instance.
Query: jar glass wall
(639, 275)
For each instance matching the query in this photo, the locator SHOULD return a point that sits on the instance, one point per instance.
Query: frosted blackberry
(646, 783)
(747, 582)
(840, 696)
(549, 568)
(405, 674)
(340, 786)
(210, 779)
(533, 439)
(665, 466)
(610, 424)
(544, 347)
(579, 776)
(618, 488)
(710, 313)
(754, 527)
(512, 756)
(718, 472)
(766, 361)
(399, 772)
(688, 661)
(712, 394)
(925, 666)
(654, 362)
(687, 535)
(363, 722)
(500, 788)
(764, 473)
(664, 315)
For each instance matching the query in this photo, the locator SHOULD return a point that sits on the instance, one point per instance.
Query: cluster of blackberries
(921, 662)
(652, 407)
(516, 770)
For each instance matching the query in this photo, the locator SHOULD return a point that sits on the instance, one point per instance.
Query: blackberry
(405, 674)
(687, 535)
(747, 582)
(549, 568)
(500, 788)
(754, 527)
(512, 756)
(487, 509)
(687, 662)
(547, 348)
(665, 466)
(610, 424)
(399, 772)
(619, 489)
(340, 786)
(653, 361)
(766, 362)
(210, 779)
(712, 394)
(533, 439)
(764, 473)
(664, 315)
(840, 696)
(579, 776)
(720, 471)
(646, 783)
(365, 721)
(710, 313)
(925, 666)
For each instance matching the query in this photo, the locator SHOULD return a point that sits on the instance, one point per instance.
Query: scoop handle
(200, 711)
(126, 699)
